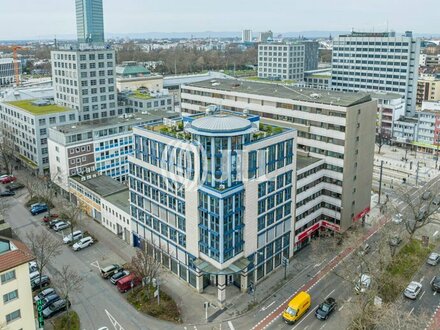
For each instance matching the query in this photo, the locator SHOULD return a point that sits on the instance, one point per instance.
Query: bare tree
(382, 137)
(31, 182)
(68, 281)
(71, 213)
(44, 247)
(420, 210)
(144, 266)
(7, 147)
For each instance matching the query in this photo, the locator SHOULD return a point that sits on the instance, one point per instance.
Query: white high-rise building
(282, 61)
(84, 79)
(377, 62)
(246, 36)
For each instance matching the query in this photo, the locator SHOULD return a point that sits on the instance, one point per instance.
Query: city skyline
(225, 17)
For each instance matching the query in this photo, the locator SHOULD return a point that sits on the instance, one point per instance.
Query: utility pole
(380, 180)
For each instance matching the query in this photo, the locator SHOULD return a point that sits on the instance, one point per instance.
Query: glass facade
(89, 21)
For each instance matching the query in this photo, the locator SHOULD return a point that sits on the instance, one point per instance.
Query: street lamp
(254, 285)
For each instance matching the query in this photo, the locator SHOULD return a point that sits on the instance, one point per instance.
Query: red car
(8, 179)
(48, 218)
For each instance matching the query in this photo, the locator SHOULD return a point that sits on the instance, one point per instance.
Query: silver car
(413, 290)
(433, 259)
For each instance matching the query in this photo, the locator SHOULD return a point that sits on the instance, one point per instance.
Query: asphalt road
(99, 304)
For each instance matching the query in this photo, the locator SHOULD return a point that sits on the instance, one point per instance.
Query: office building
(428, 88)
(321, 78)
(101, 145)
(211, 197)
(246, 36)
(84, 79)
(429, 60)
(104, 200)
(311, 55)
(281, 61)
(265, 36)
(338, 127)
(390, 108)
(89, 21)
(16, 307)
(26, 117)
(377, 62)
(7, 71)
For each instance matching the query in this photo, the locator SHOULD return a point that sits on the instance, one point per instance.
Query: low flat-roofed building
(101, 145)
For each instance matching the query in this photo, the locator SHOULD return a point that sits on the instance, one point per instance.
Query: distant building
(89, 21)
(265, 36)
(428, 88)
(7, 72)
(390, 108)
(246, 36)
(84, 79)
(132, 76)
(321, 78)
(281, 61)
(98, 145)
(377, 62)
(16, 305)
(429, 60)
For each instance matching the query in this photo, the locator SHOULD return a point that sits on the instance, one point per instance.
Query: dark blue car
(38, 208)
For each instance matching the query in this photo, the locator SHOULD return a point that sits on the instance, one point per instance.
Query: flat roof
(102, 185)
(133, 119)
(385, 96)
(36, 109)
(304, 161)
(120, 200)
(314, 95)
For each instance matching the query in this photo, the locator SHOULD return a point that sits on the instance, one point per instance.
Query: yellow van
(297, 307)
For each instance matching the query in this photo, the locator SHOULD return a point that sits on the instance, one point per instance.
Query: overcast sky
(21, 19)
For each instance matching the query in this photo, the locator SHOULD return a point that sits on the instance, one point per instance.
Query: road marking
(421, 280)
(95, 264)
(340, 308)
(113, 321)
(304, 317)
(231, 326)
(329, 294)
(349, 299)
(412, 310)
(435, 292)
(306, 327)
(422, 295)
(322, 326)
(317, 265)
(266, 307)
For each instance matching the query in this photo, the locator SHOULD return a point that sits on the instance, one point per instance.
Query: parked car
(325, 309)
(109, 270)
(7, 179)
(363, 283)
(7, 193)
(395, 241)
(43, 294)
(33, 274)
(76, 235)
(53, 222)
(45, 281)
(32, 267)
(436, 200)
(365, 249)
(14, 186)
(413, 290)
(433, 259)
(55, 308)
(38, 208)
(61, 225)
(397, 218)
(50, 299)
(421, 215)
(128, 282)
(427, 195)
(117, 276)
(82, 243)
(48, 218)
(435, 283)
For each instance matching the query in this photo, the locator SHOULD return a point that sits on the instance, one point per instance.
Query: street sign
(285, 261)
(40, 313)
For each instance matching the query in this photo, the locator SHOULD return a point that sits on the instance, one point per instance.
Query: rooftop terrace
(38, 110)
(314, 95)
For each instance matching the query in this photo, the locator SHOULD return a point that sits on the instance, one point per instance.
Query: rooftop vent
(41, 103)
(315, 95)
